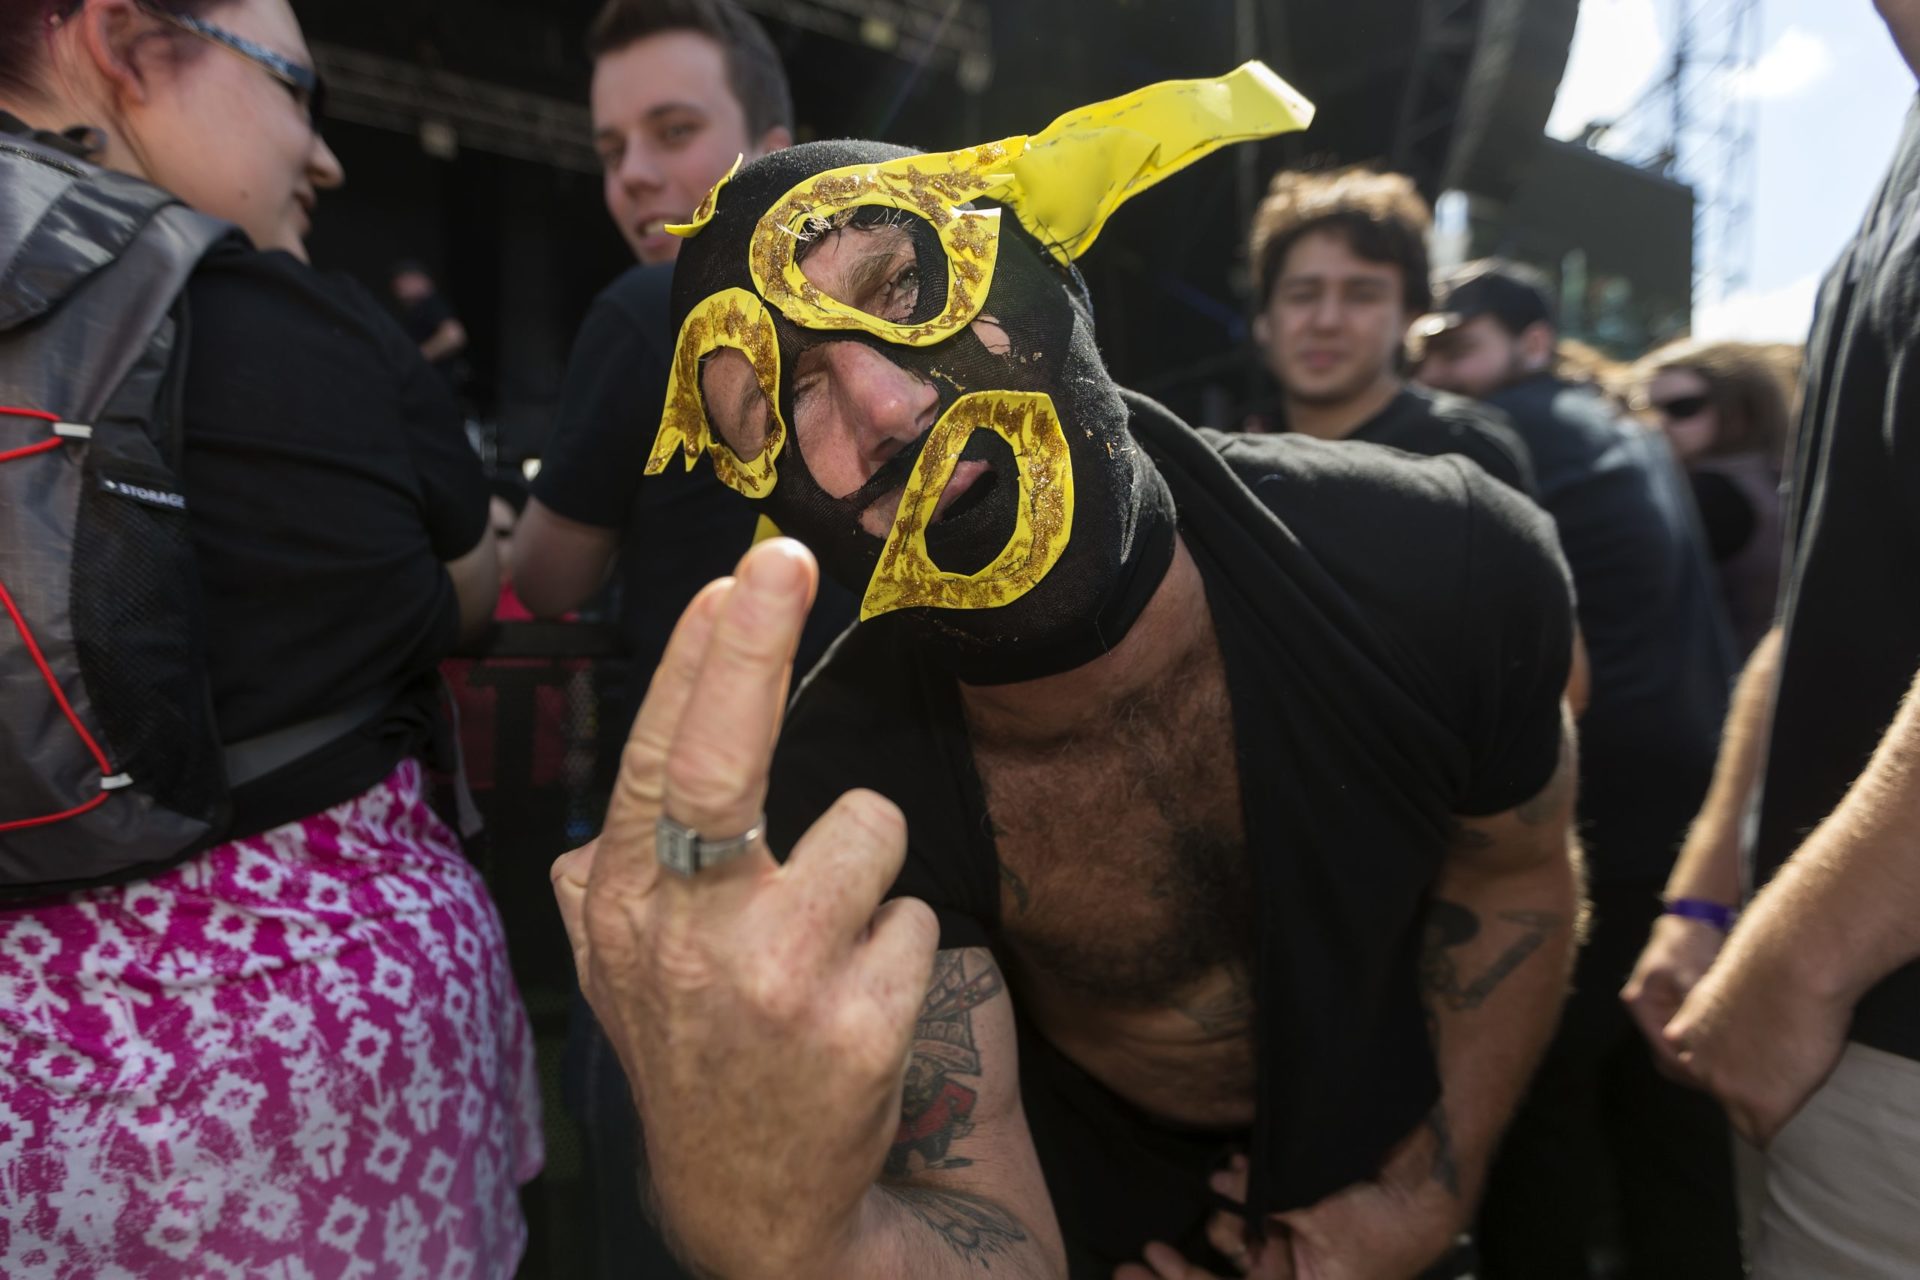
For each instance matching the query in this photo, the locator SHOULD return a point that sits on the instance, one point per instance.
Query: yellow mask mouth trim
(907, 577)
(704, 214)
(736, 319)
(931, 186)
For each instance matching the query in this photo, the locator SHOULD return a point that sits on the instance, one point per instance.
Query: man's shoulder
(1451, 408)
(1433, 422)
(1294, 474)
(1385, 521)
(1575, 414)
(641, 297)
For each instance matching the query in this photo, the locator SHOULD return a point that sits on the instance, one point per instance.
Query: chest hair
(1124, 872)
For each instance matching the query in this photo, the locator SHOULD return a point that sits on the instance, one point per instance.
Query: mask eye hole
(883, 262)
(736, 404)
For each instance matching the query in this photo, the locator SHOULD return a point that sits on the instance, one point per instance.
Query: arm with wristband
(1703, 892)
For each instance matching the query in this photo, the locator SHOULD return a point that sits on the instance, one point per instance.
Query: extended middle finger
(716, 770)
(624, 854)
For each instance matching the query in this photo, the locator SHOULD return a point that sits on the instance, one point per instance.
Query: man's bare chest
(1123, 864)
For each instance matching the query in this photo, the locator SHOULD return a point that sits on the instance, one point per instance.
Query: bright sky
(1832, 95)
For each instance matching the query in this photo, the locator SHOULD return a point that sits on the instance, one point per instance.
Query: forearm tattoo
(937, 1108)
(972, 1226)
(936, 1111)
(1451, 926)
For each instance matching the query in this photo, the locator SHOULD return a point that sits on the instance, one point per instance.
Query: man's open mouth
(974, 516)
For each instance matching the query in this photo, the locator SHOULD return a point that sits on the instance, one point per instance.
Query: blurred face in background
(667, 127)
(221, 127)
(1334, 324)
(1476, 359)
(1681, 402)
(412, 286)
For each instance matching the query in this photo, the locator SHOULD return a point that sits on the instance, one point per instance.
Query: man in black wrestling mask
(922, 404)
(1232, 769)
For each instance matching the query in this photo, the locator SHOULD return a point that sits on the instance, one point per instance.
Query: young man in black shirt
(1805, 1024)
(681, 88)
(1342, 264)
(1231, 767)
(1661, 662)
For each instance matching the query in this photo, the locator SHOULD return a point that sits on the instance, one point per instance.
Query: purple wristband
(1713, 913)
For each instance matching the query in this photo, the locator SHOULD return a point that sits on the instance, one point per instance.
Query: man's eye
(902, 295)
(679, 132)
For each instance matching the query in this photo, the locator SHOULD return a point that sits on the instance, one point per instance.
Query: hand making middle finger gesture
(763, 1012)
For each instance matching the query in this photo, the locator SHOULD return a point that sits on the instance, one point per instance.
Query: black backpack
(110, 763)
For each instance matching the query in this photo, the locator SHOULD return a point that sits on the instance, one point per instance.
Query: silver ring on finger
(686, 852)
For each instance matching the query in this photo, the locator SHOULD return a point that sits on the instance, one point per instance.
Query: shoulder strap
(62, 223)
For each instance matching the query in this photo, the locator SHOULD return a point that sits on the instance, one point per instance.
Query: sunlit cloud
(1618, 48)
(1797, 61)
(1782, 314)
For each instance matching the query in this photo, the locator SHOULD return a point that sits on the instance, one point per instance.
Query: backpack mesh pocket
(136, 606)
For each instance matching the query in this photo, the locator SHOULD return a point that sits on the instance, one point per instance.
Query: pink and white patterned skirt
(298, 1056)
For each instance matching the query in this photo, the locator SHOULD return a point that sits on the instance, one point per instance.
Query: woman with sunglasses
(1723, 406)
(300, 1052)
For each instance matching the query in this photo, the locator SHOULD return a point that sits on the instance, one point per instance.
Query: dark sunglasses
(304, 83)
(1683, 407)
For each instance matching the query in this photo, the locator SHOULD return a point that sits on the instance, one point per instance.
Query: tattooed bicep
(961, 1044)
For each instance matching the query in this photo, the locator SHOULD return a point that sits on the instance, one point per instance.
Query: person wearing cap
(1661, 661)
(1342, 263)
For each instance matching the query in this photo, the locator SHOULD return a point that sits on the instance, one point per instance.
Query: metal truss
(1436, 85)
(950, 35)
(1696, 124)
(448, 112)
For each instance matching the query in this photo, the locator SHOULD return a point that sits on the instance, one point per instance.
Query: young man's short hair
(754, 73)
(1381, 216)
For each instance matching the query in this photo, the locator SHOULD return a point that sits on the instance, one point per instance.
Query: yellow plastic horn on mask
(1067, 180)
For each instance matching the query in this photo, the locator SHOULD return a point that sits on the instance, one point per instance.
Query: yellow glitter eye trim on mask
(704, 214)
(932, 187)
(907, 577)
(1063, 183)
(735, 319)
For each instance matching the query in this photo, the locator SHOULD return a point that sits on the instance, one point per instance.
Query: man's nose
(639, 170)
(887, 407)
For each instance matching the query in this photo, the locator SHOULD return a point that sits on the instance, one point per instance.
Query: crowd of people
(1456, 821)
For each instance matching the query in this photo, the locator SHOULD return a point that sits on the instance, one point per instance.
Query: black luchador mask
(894, 353)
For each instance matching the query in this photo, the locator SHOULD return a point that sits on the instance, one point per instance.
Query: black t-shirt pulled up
(327, 480)
(1852, 599)
(1396, 636)
(1657, 637)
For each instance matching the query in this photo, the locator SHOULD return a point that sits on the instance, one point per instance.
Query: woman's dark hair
(1745, 387)
(754, 72)
(26, 25)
